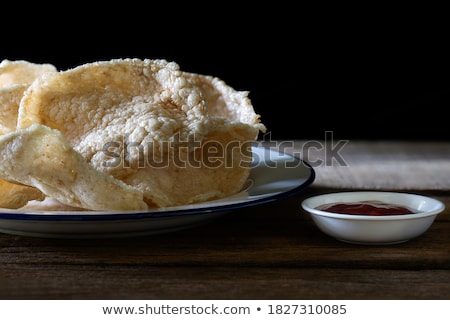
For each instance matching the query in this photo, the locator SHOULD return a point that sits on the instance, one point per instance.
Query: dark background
(360, 73)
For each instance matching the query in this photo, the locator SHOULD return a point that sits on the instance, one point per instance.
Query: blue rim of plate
(189, 210)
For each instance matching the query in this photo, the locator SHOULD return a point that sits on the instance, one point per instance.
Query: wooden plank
(146, 282)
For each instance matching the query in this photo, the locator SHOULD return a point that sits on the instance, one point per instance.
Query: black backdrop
(308, 72)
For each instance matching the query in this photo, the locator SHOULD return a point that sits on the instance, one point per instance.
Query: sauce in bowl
(366, 208)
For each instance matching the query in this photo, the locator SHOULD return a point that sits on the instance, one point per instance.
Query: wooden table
(271, 251)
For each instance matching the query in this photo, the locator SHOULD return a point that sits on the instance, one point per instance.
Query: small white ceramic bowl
(364, 229)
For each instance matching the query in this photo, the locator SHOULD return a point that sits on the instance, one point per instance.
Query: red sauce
(366, 208)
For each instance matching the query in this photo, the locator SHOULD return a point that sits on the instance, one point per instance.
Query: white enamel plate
(274, 175)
